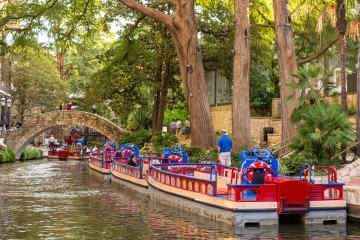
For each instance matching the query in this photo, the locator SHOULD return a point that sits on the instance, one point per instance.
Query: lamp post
(3, 103)
(8, 112)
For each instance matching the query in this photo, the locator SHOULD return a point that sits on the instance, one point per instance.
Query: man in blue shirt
(224, 148)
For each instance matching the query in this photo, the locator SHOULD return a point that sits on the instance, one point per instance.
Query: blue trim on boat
(333, 184)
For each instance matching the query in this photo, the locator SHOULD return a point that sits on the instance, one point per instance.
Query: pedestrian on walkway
(178, 127)
(224, 148)
(172, 127)
(187, 128)
(68, 106)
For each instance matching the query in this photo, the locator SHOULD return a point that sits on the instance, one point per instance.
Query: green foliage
(95, 144)
(138, 138)
(175, 114)
(162, 140)
(323, 129)
(31, 154)
(282, 167)
(196, 154)
(7, 156)
(351, 111)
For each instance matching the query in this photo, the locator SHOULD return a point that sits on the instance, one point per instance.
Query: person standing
(187, 128)
(68, 107)
(178, 127)
(172, 127)
(224, 148)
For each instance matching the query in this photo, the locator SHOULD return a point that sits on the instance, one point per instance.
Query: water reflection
(61, 200)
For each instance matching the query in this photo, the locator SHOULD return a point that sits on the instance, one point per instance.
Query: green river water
(49, 199)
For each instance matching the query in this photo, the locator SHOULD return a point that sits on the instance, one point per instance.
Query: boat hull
(139, 185)
(98, 169)
(237, 214)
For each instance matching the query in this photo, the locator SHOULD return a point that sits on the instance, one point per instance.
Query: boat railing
(252, 192)
(101, 162)
(168, 174)
(155, 160)
(122, 160)
(134, 171)
(329, 191)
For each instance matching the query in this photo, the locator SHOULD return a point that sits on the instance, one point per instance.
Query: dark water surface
(64, 200)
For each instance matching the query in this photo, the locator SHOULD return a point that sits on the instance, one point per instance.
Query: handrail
(181, 175)
(330, 169)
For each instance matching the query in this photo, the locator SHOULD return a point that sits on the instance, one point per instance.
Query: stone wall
(222, 119)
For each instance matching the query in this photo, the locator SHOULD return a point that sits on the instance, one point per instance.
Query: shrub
(11, 155)
(7, 156)
(30, 154)
(162, 140)
(323, 129)
(138, 138)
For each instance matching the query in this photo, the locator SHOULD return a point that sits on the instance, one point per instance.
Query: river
(46, 199)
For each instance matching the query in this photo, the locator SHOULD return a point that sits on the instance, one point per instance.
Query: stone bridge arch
(18, 139)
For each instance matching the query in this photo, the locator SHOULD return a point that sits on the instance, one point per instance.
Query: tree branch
(150, 12)
(318, 54)
(6, 19)
(68, 35)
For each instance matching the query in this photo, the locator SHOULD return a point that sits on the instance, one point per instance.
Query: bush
(30, 154)
(11, 155)
(138, 138)
(196, 154)
(323, 132)
(162, 140)
(7, 156)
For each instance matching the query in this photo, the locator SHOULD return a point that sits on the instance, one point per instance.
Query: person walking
(224, 148)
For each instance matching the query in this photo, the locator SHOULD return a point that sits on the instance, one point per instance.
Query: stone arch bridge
(18, 139)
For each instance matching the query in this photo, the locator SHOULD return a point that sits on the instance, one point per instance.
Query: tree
(288, 66)
(182, 26)
(36, 83)
(240, 101)
(341, 27)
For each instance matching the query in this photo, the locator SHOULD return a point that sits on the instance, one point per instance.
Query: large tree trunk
(326, 71)
(164, 92)
(240, 100)
(183, 29)
(343, 78)
(160, 99)
(288, 66)
(341, 27)
(193, 75)
(358, 102)
(156, 103)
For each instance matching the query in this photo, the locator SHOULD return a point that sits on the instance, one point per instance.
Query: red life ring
(175, 158)
(108, 149)
(126, 152)
(259, 165)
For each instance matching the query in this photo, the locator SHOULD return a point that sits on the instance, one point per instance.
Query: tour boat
(253, 195)
(101, 161)
(135, 173)
(63, 153)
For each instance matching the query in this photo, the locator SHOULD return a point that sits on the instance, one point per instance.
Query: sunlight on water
(63, 200)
